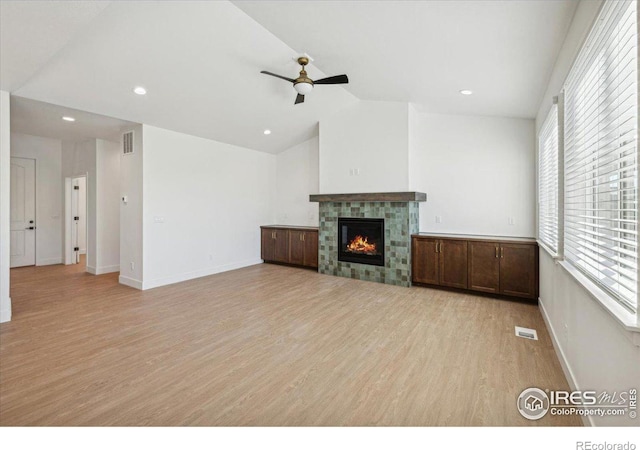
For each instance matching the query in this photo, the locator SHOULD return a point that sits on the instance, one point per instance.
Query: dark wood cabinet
(516, 277)
(296, 247)
(484, 267)
(453, 263)
(501, 267)
(290, 245)
(424, 256)
(310, 239)
(268, 244)
(439, 262)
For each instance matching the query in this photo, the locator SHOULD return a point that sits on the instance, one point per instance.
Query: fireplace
(361, 241)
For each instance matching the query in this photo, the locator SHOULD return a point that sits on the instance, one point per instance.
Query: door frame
(68, 219)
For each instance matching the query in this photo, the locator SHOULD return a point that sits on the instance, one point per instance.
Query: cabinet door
(311, 248)
(484, 267)
(267, 244)
(453, 263)
(518, 270)
(281, 250)
(296, 247)
(424, 261)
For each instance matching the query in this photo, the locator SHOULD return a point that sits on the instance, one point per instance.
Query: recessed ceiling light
(140, 90)
(267, 131)
(466, 92)
(68, 119)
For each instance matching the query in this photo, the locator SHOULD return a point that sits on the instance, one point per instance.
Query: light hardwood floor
(264, 345)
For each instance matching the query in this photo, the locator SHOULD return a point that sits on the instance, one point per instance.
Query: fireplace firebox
(361, 240)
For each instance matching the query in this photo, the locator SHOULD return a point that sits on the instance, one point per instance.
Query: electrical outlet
(438, 219)
(133, 266)
(357, 171)
(512, 221)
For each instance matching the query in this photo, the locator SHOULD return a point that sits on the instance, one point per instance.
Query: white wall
(369, 136)
(47, 153)
(5, 174)
(596, 352)
(107, 206)
(477, 172)
(204, 202)
(131, 214)
(296, 179)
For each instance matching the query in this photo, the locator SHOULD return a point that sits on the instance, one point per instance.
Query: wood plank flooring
(264, 345)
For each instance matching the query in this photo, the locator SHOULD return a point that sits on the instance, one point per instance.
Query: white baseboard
(5, 314)
(103, 269)
(587, 421)
(49, 261)
(137, 284)
(198, 273)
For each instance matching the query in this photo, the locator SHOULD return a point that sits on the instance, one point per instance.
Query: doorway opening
(76, 247)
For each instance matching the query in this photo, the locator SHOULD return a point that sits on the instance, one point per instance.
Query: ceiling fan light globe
(303, 88)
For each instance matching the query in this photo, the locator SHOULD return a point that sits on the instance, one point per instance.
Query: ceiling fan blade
(337, 79)
(299, 99)
(277, 76)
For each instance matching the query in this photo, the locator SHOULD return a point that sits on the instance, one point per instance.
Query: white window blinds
(601, 175)
(548, 181)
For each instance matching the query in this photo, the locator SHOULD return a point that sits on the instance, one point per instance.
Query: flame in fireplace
(361, 244)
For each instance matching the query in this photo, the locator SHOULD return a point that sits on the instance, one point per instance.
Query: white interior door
(23, 212)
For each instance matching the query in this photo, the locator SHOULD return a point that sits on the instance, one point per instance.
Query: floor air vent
(527, 333)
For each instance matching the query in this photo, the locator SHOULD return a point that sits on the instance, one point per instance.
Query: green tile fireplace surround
(401, 219)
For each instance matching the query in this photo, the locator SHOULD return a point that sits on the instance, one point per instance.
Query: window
(601, 171)
(548, 181)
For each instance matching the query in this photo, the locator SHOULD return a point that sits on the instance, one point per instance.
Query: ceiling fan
(303, 84)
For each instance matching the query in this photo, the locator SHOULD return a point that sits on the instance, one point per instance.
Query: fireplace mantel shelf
(371, 197)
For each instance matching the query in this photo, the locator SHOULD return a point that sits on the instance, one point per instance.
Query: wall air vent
(127, 143)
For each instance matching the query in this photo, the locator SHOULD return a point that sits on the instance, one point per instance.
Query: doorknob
(30, 228)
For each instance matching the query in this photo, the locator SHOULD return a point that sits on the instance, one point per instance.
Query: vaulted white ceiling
(200, 61)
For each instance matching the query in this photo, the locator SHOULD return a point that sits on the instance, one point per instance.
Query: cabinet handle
(274, 234)
(496, 251)
(440, 247)
(436, 246)
(303, 236)
(501, 252)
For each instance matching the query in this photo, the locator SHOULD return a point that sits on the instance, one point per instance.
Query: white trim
(137, 284)
(198, 273)
(587, 421)
(5, 314)
(623, 316)
(68, 252)
(103, 269)
(49, 261)
(551, 253)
